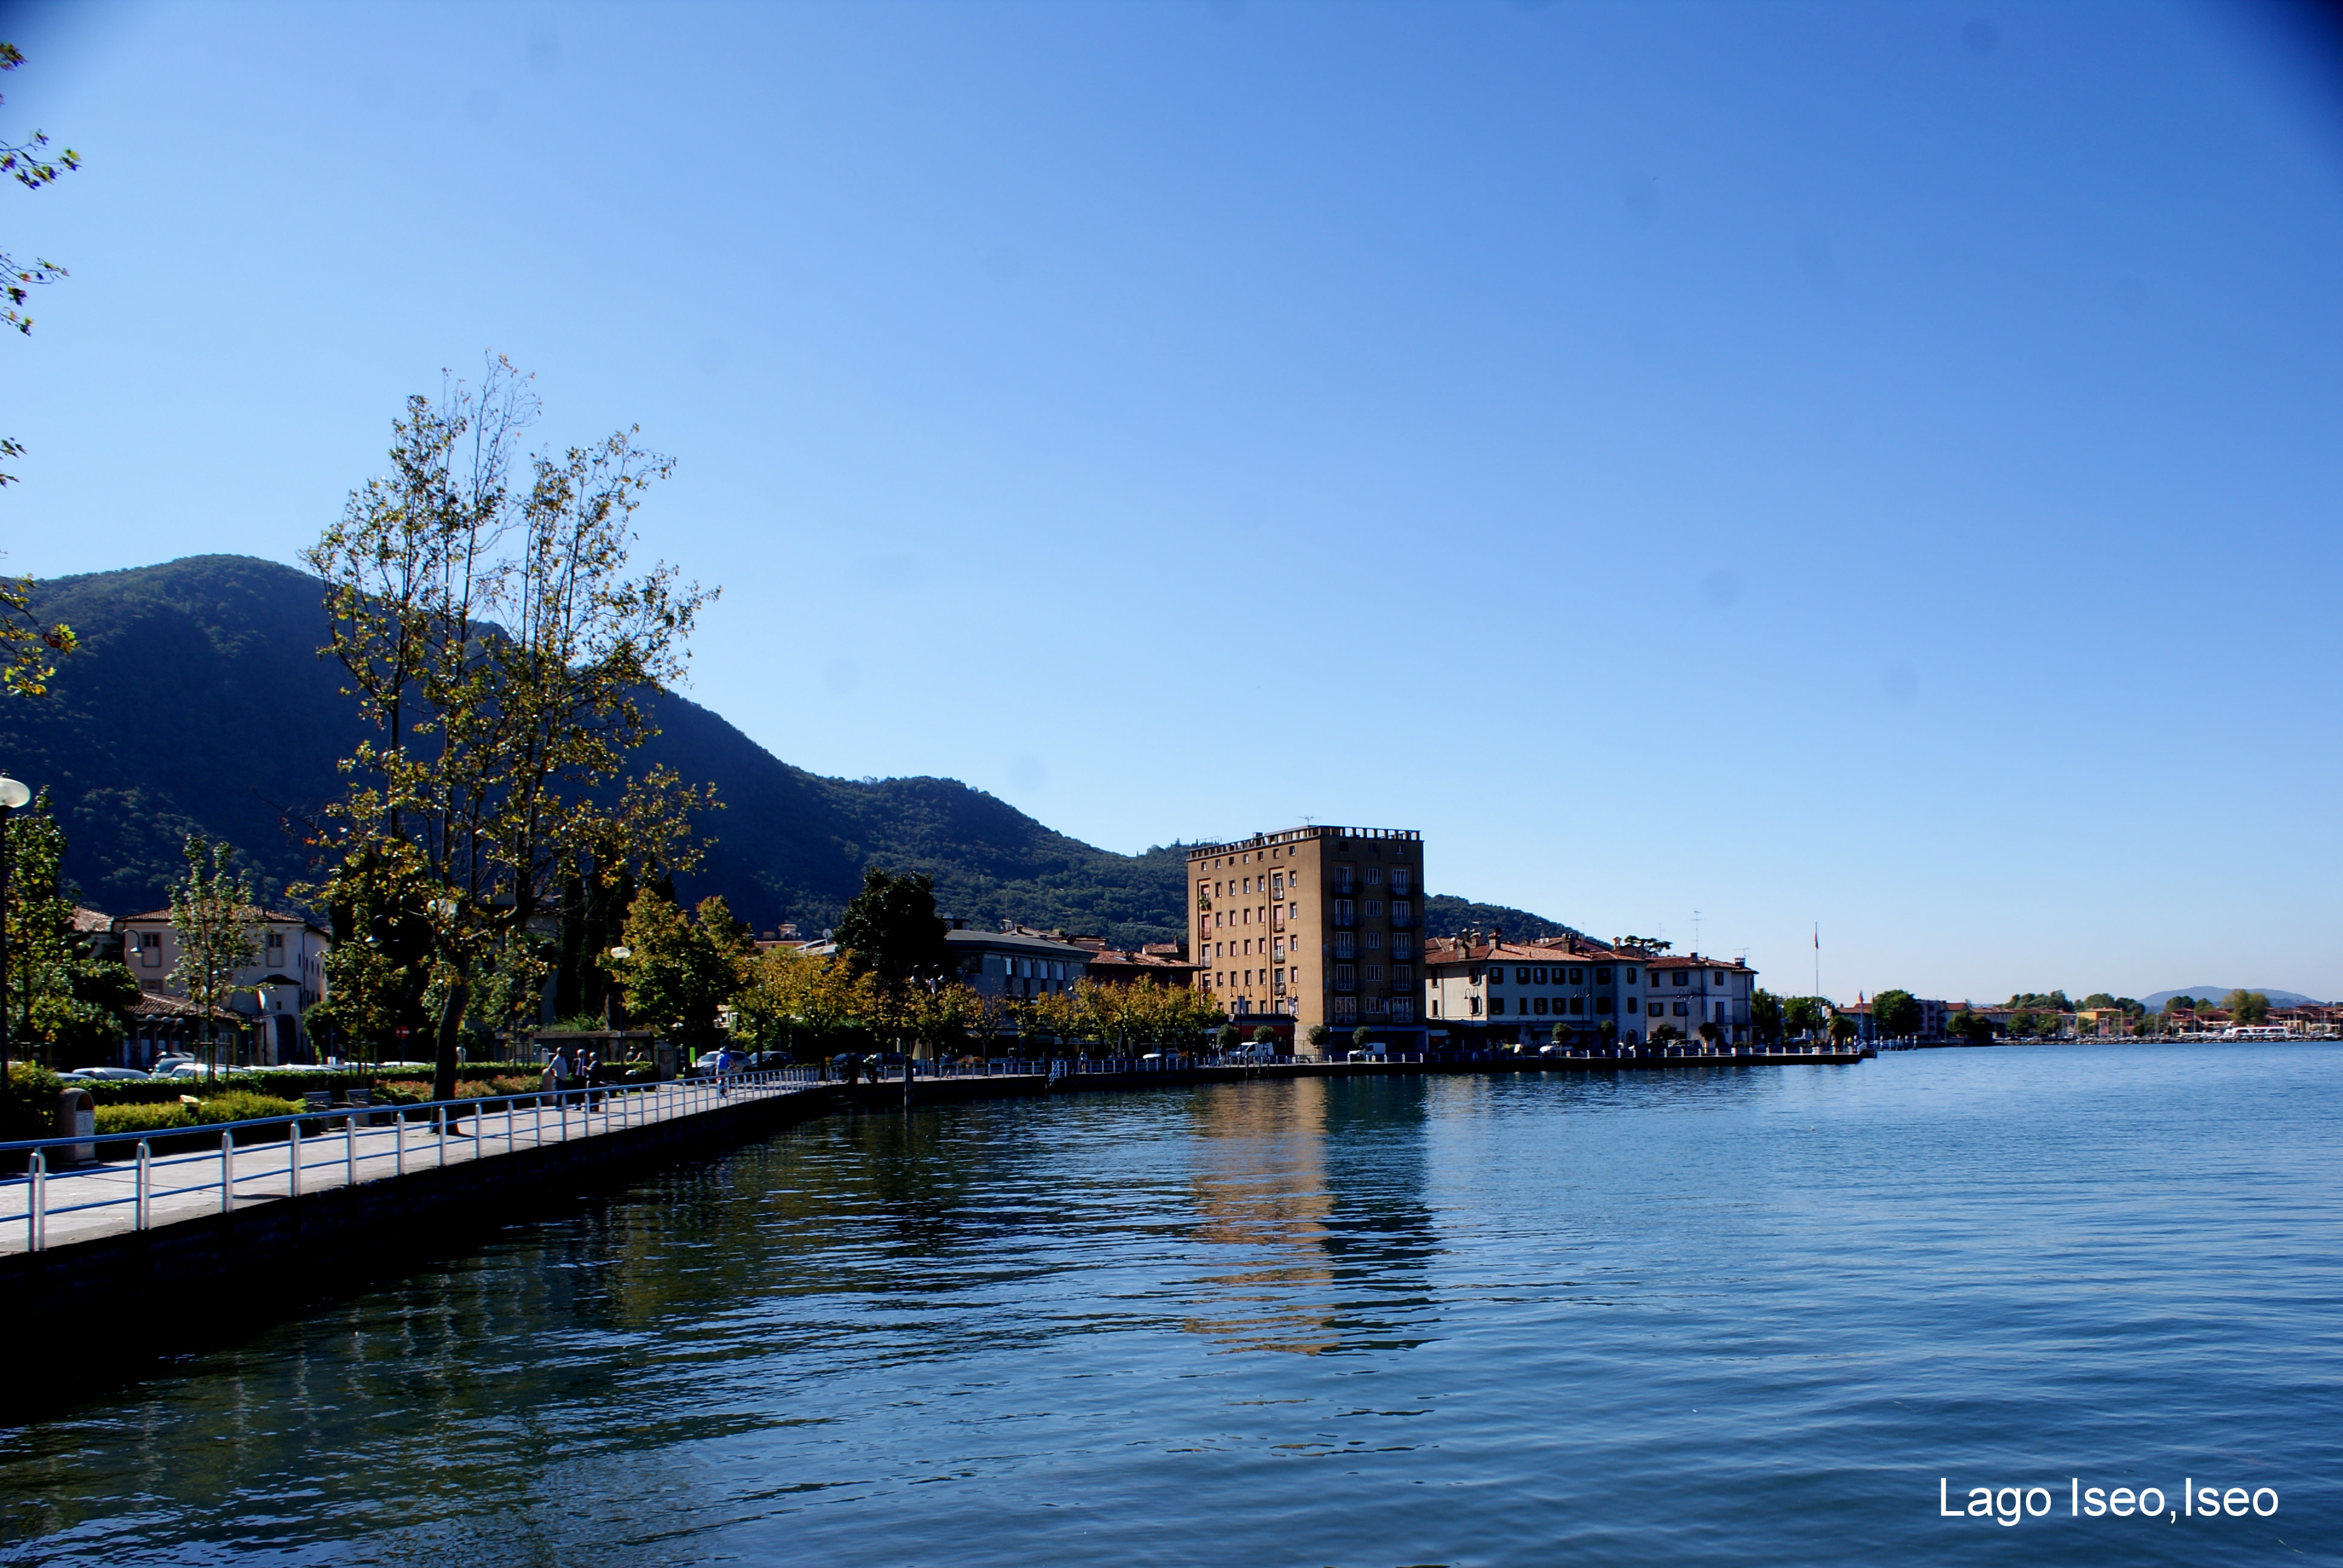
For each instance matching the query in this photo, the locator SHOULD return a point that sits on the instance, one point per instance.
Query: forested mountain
(198, 700)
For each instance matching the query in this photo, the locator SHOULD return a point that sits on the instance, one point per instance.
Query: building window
(1403, 975)
(1402, 1010)
(1375, 1004)
(1346, 975)
(1602, 1004)
(1602, 976)
(1374, 971)
(1496, 1004)
(1374, 876)
(1345, 942)
(1537, 977)
(1539, 1005)
(1374, 905)
(1400, 882)
(1679, 978)
(1655, 1009)
(1628, 975)
(1577, 976)
(1522, 977)
(1342, 878)
(1474, 1004)
(1680, 1010)
(1578, 1004)
(1346, 1007)
(1375, 940)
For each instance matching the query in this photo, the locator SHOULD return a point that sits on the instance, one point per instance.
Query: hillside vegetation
(198, 700)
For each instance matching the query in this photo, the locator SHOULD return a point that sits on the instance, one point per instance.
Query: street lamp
(610, 996)
(13, 797)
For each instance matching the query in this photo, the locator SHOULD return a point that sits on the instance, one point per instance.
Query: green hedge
(167, 1090)
(143, 1118)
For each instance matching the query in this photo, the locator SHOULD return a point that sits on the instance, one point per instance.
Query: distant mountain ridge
(198, 700)
(2276, 998)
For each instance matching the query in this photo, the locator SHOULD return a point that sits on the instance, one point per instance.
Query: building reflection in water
(1310, 1203)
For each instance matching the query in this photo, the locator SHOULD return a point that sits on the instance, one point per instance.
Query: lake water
(1721, 1315)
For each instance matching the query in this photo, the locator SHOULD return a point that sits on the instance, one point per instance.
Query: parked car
(104, 1072)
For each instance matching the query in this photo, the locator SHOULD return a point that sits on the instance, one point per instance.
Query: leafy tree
(2043, 1001)
(1225, 1038)
(1264, 1035)
(1667, 1034)
(497, 639)
(1360, 1038)
(1970, 1026)
(2247, 1007)
(28, 165)
(891, 931)
(66, 1005)
(681, 972)
(212, 917)
(788, 993)
(1805, 1015)
(1647, 944)
(377, 971)
(1896, 1014)
(1842, 1028)
(28, 650)
(1710, 1033)
(891, 934)
(2097, 1000)
(1318, 1036)
(1766, 1015)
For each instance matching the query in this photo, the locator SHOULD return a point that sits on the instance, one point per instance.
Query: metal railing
(377, 1139)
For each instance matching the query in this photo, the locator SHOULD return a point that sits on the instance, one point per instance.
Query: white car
(104, 1072)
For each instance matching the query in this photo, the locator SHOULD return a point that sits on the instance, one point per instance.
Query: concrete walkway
(337, 1149)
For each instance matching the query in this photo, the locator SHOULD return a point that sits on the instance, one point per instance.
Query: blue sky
(1872, 465)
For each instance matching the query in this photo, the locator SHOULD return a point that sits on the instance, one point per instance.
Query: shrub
(143, 1118)
(472, 1089)
(28, 1101)
(242, 1105)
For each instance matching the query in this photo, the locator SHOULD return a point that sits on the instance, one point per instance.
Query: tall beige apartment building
(1312, 926)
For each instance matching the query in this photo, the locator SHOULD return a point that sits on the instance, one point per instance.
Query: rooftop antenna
(1695, 931)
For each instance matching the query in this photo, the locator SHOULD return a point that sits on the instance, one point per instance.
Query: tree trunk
(451, 1023)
